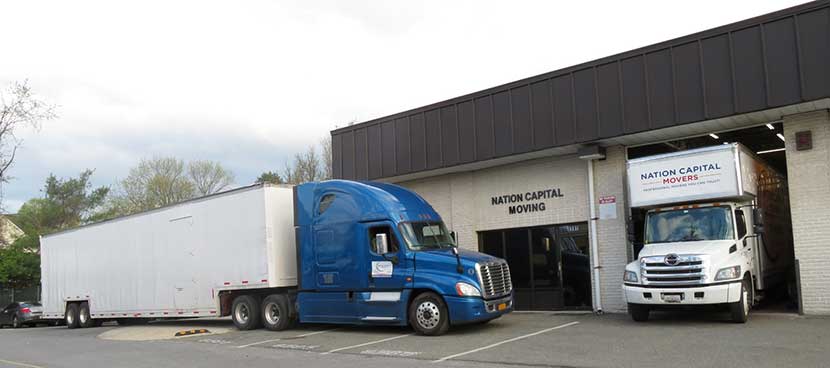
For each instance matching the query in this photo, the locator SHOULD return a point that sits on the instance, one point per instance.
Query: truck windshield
(706, 223)
(426, 235)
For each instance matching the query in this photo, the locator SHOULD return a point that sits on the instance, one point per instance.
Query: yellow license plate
(502, 306)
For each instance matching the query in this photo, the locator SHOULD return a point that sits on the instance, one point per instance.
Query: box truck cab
(716, 231)
(374, 253)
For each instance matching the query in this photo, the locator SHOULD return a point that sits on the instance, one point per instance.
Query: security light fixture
(592, 152)
(770, 126)
(713, 135)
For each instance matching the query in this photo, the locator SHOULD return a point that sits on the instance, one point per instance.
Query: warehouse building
(534, 170)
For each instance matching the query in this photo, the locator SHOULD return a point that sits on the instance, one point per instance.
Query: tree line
(155, 182)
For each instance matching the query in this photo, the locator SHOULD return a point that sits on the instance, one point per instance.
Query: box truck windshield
(426, 235)
(693, 224)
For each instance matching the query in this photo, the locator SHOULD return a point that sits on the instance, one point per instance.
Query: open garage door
(767, 142)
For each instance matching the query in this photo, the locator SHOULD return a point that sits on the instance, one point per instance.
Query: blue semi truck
(337, 251)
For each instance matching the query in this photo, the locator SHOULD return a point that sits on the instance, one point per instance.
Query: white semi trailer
(717, 231)
(172, 262)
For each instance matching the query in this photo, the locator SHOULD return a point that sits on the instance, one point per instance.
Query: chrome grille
(494, 278)
(688, 270)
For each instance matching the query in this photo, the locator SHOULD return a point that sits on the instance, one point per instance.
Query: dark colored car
(21, 313)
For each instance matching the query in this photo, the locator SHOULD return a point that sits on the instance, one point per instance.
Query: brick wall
(609, 178)
(809, 183)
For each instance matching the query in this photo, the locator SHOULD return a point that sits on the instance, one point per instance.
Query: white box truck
(717, 231)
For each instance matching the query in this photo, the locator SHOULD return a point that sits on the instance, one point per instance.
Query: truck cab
(375, 253)
(698, 254)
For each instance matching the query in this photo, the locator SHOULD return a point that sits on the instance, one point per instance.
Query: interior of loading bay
(767, 142)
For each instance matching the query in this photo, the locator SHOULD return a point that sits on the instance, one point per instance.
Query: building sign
(533, 201)
(607, 207)
(683, 177)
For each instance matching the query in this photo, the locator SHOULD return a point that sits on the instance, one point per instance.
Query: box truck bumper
(700, 295)
(469, 310)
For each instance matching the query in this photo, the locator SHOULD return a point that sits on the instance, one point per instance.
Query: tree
(154, 183)
(325, 148)
(270, 177)
(66, 203)
(19, 108)
(208, 177)
(163, 181)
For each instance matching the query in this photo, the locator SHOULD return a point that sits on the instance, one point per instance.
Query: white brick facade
(464, 201)
(809, 183)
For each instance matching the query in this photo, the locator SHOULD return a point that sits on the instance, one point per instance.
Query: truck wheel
(428, 315)
(638, 312)
(245, 313)
(71, 316)
(740, 309)
(276, 315)
(84, 318)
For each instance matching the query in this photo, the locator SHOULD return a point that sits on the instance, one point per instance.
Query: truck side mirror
(629, 232)
(452, 233)
(757, 220)
(382, 244)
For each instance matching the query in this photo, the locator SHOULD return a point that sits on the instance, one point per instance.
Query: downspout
(589, 154)
(592, 223)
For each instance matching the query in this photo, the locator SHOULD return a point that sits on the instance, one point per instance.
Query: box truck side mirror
(757, 221)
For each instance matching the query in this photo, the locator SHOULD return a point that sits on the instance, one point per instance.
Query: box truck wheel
(276, 314)
(71, 316)
(245, 312)
(428, 315)
(740, 309)
(638, 312)
(84, 318)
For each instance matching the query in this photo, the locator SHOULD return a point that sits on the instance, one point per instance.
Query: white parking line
(293, 337)
(367, 343)
(504, 342)
(19, 364)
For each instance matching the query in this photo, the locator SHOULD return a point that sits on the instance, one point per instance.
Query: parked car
(21, 313)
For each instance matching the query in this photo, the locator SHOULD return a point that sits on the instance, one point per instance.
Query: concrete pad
(148, 333)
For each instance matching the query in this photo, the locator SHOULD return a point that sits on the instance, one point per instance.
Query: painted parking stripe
(293, 337)
(19, 364)
(504, 342)
(367, 343)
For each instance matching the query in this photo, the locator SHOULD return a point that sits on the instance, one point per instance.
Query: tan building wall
(809, 182)
(465, 202)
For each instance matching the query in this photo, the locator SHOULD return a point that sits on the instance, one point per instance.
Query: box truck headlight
(630, 276)
(728, 273)
(465, 289)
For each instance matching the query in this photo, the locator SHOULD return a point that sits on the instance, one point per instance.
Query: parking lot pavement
(527, 339)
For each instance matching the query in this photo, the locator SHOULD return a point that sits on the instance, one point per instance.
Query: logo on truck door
(382, 269)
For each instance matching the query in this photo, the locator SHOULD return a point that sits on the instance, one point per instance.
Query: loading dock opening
(767, 142)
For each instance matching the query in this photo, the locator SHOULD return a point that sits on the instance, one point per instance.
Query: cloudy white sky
(248, 83)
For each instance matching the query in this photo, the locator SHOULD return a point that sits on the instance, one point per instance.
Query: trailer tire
(740, 309)
(276, 314)
(245, 313)
(428, 315)
(84, 317)
(71, 316)
(639, 313)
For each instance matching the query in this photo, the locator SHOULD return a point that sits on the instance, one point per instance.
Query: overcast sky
(249, 83)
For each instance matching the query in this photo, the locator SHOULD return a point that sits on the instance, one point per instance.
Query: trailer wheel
(276, 315)
(84, 318)
(71, 316)
(428, 315)
(245, 313)
(740, 309)
(638, 312)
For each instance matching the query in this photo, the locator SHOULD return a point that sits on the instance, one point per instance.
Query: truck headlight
(630, 276)
(465, 289)
(728, 273)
